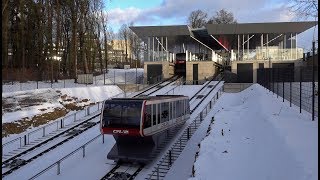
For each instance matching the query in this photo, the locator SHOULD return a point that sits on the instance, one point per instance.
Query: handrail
(194, 124)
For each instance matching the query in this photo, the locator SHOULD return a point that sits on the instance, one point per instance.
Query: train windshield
(181, 56)
(125, 114)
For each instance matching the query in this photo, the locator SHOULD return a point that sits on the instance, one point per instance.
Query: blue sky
(175, 12)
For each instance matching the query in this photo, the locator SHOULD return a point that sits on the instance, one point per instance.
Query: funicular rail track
(15, 163)
(164, 165)
(157, 86)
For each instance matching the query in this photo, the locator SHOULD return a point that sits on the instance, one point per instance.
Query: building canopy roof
(230, 31)
(220, 29)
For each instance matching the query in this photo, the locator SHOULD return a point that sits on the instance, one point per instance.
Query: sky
(175, 12)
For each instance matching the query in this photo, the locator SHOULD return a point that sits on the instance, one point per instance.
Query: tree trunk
(5, 19)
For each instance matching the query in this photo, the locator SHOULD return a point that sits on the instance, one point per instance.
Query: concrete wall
(265, 63)
(167, 68)
(235, 87)
(205, 69)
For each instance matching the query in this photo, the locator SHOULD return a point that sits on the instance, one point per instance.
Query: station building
(242, 48)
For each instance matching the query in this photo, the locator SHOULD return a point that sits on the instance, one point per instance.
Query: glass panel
(122, 113)
(147, 117)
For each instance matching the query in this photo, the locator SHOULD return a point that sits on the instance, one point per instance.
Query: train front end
(122, 117)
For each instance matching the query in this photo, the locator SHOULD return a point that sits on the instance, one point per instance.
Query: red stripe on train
(121, 131)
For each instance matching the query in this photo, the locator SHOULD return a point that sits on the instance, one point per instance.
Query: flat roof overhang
(176, 33)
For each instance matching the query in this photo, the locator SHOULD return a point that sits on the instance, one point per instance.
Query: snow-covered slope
(263, 138)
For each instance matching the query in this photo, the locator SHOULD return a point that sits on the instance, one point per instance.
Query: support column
(248, 46)
(267, 52)
(149, 58)
(152, 48)
(242, 46)
(261, 41)
(291, 46)
(296, 45)
(167, 48)
(238, 58)
(161, 52)
(158, 51)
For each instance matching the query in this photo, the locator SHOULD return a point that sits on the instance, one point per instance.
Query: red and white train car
(143, 117)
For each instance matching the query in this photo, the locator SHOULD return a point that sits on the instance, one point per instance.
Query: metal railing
(58, 163)
(168, 159)
(44, 131)
(296, 85)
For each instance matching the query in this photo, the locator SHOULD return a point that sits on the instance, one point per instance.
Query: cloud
(177, 11)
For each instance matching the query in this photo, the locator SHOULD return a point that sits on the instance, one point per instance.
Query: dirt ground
(24, 101)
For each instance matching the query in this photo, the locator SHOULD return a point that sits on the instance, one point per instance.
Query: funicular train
(139, 124)
(180, 64)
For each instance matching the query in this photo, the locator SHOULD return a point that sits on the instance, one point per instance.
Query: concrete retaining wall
(235, 87)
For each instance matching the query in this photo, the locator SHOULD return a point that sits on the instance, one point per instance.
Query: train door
(195, 74)
(154, 117)
(158, 116)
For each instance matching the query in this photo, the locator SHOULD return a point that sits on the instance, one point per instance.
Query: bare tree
(124, 35)
(222, 17)
(304, 8)
(197, 19)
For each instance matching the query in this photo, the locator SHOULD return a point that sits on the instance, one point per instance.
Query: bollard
(20, 142)
(102, 138)
(83, 151)
(282, 90)
(170, 158)
(201, 117)
(157, 173)
(58, 168)
(290, 92)
(88, 110)
(74, 116)
(61, 125)
(210, 105)
(43, 132)
(300, 88)
(188, 133)
(25, 139)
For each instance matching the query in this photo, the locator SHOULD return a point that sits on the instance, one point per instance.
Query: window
(154, 115)
(164, 112)
(122, 114)
(158, 113)
(147, 117)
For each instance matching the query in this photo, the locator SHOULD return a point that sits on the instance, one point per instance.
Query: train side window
(164, 112)
(154, 115)
(174, 110)
(147, 116)
(170, 110)
(178, 109)
(159, 113)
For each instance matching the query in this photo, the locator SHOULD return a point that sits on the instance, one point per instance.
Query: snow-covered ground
(263, 138)
(267, 139)
(114, 76)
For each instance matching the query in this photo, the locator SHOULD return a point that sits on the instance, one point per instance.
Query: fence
(297, 85)
(44, 131)
(174, 151)
(106, 79)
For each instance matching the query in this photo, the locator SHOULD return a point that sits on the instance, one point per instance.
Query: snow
(263, 138)
(114, 76)
(267, 139)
